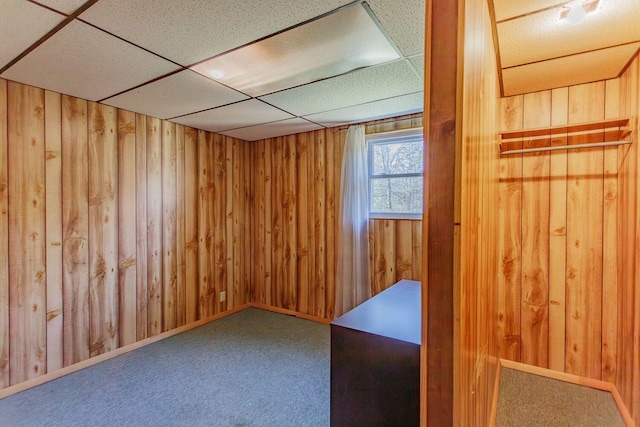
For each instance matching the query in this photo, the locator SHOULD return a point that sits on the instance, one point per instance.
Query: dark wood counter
(375, 360)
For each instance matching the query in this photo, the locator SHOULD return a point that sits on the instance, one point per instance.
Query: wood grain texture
(558, 235)
(477, 262)
(205, 227)
(75, 229)
(219, 223)
(181, 291)
(103, 228)
(108, 201)
(142, 266)
(591, 236)
(4, 240)
(53, 200)
(441, 143)
(320, 224)
(628, 348)
(127, 228)
(27, 262)
(302, 219)
(609, 241)
(169, 298)
(191, 223)
(535, 237)
(510, 243)
(154, 227)
(584, 241)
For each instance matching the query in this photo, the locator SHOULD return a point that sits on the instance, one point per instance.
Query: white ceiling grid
(135, 54)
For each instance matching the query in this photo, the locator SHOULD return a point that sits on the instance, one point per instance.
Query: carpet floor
(252, 368)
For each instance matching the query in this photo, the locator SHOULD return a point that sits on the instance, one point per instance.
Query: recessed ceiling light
(576, 12)
(343, 41)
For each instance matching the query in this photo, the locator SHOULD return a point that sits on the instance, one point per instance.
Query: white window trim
(387, 135)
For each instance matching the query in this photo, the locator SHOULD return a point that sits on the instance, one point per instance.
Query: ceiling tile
(21, 24)
(176, 95)
(338, 43)
(571, 70)
(543, 35)
(506, 9)
(418, 64)
(404, 22)
(406, 104)
(367, 85)
(82, 61)
(241, 114)
(271, 130)
(64, 6)
(200, 29)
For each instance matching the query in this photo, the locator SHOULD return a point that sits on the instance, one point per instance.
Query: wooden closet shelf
(603, 133)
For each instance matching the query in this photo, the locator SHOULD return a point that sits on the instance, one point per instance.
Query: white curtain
(353, 284)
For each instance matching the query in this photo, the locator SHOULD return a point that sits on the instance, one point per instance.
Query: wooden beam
(441, 60)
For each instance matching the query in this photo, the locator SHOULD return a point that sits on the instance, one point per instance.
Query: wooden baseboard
(8, 391)
(561, 376)
(291, 313)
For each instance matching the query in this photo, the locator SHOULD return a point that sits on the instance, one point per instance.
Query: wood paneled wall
(296, 197)
(568, 240)
(114, 227)
(477, 233)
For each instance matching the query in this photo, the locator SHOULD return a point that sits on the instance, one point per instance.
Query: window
(396, 167)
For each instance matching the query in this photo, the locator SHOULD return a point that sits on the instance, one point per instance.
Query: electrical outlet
(223, 296)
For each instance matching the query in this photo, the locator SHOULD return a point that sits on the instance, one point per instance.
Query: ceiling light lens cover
(343, 41)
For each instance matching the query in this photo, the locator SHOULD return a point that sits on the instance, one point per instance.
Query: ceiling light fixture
(576, 12)
(340, 42)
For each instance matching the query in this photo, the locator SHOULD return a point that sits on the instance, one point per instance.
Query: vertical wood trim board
(127, 227)
(4, 241)
(27, 272)
(103, 229)
(53, 200)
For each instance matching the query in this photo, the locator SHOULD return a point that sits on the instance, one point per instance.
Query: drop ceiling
(537, 50)
(137, 55)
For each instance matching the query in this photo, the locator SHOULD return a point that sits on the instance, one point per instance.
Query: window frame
(392, 137)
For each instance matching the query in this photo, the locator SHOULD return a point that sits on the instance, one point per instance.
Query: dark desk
(375, 360)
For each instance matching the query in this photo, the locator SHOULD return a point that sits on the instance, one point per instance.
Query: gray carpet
(253, 368)
(531, 400)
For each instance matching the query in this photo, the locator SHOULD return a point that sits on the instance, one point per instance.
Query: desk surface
(393, 313)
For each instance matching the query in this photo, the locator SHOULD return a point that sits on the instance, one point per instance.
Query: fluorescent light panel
(335, 44)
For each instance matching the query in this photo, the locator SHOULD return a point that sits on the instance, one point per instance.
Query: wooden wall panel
(479, 249)
(169, 298)
(205, 228)
(75, 229)
(53, 200)
(609, 240)
(584, 241)
(103, 228)
(510, 252)
(191, 223)
(628, 236)
(592, 238)
(295, 207)
(127, 227)
(557, 236)
(181, 249)
(142, 275)
(154, 227)
(27, 263)
(4, 241)
(535, 236)
(115, 213)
